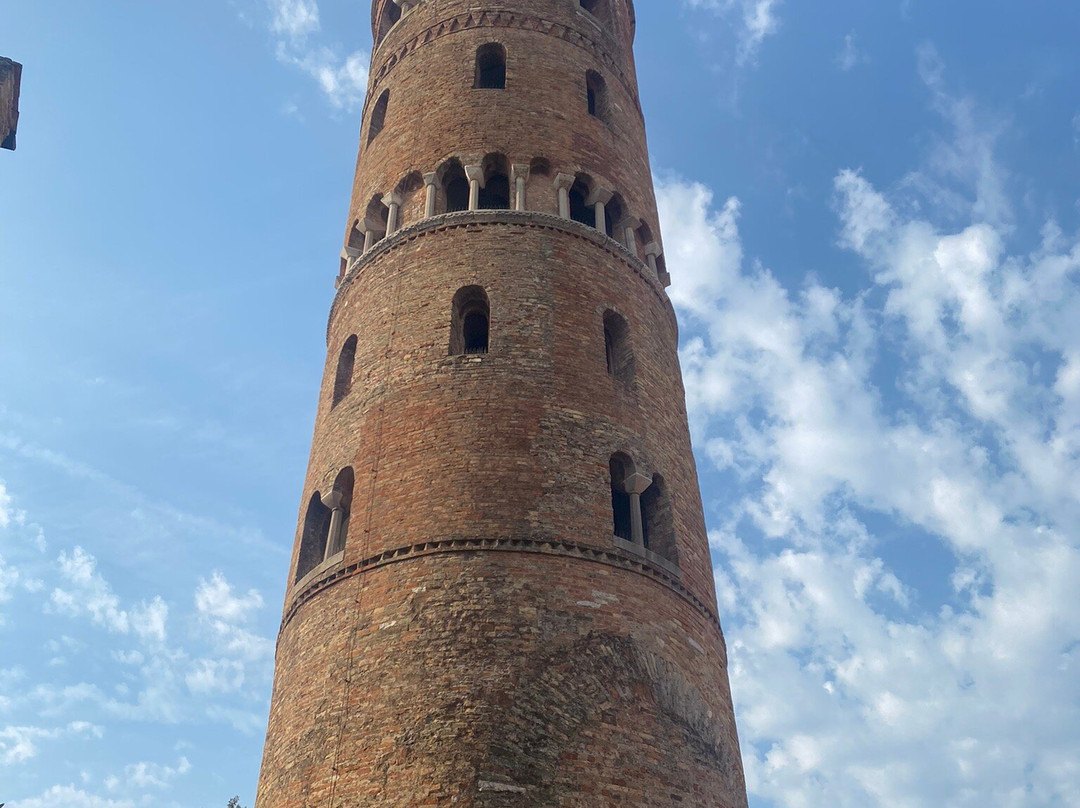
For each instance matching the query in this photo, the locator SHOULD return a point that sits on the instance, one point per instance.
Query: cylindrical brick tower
(501, 592)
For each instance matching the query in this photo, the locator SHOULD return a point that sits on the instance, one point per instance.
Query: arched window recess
(470, 322)
(490, 67)
(378, 116)
(642, 515)
(388, 18)
(495, 192)
(346, 365)
(326, 525)
(454, 186)
(618, 353)
(596, 96)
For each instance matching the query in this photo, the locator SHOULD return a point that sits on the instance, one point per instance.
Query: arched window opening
(345, 366)
(455, 186)
(339, 521)
(470, 322)
(491, 67)
(356, 238)
(376, 217)
(596, 95)
(411, 191)
(579, 210)
(378, 115)
(620, 467)
(391, 13)
(658, 521)
(644, 236)
(313, 539)
(539, 167)
(615, 213)
(495, 195)
(619, 354)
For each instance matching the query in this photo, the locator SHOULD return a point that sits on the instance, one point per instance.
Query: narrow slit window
(617, 350)
(622, 523)
(378, 116)
(596, 95)
(345, 367)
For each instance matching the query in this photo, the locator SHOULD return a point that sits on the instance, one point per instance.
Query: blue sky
(871, 217)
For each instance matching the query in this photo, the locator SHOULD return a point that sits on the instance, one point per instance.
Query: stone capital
(599, 196)
(636, 483)
(431, 179)
(371, 226)
(564, 181)
(393, 198)
(475, 174)
(519, 171)
(351, 252)
(653, 249)
(332, 500)
(405, 5)
(629, 223)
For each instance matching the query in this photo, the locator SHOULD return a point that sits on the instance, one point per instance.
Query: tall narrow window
(579, 210)
(345, 366)
(339, 522)
(658, 522)
(391, 13)
(455, 186)
(619, 467)
(470, 322)
(378, 116)
(619, 354)
(596, 95)
(495, 195)
(313, 539)
(491, 67)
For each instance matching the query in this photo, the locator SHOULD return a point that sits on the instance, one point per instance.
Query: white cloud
(70, 797)
(342, 79)
(215, 599)
(7, 511)
(921, 402)
(88, 593)
(848, 57)
(154, 775)
(757, 21)
(19, 744)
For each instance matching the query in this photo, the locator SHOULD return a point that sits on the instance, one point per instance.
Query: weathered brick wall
(10, 79)
(484, 639)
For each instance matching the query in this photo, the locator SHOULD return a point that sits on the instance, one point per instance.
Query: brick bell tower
(501, 592)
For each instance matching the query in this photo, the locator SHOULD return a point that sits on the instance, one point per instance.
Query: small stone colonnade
(494, 184)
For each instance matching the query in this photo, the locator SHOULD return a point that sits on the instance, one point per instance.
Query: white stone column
(628, 227)
(636, 484)
(519, 175)
(334, 539)
(652, 252)
(369, 237)
(476, 182)
(430, 189)
(563, 182)
(393, 202)
(598, 199)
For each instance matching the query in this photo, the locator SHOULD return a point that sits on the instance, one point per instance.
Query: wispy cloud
(848, 57)
(756, 21)
(342, 79)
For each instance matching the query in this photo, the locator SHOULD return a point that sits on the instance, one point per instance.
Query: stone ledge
(488, 218)
(612, 556)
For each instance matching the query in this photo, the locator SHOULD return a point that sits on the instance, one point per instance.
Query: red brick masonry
(484, 639)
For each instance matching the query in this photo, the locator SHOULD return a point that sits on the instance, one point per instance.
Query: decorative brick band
(498, 18)
(611, 556)
(505, 218)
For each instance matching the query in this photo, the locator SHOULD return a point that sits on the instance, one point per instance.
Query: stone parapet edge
(609, 556)
(525, 22)
(514, 218)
